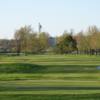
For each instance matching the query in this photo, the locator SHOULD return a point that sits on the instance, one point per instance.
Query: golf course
(50, 77)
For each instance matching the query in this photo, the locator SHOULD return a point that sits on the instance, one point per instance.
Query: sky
(55, 16)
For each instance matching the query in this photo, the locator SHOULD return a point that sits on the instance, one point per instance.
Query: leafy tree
(66, 44)
(94, 34)
(33, 43)
(89, 40)
(83, 42)
(43, 41)
(21, 37)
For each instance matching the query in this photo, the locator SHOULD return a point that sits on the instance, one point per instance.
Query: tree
(83, 42)
(94, 34)
(21, 37)
(66, 43)
(43, 41)
(89, 40)
(33, 43)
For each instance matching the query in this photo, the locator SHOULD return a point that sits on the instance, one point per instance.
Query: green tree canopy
(66, 43)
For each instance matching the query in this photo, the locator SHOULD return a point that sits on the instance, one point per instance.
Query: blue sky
(54, 15)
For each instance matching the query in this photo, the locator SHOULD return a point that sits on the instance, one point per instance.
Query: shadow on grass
(33, 68)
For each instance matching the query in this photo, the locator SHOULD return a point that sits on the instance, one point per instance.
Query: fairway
(50, 50)
(50, 77)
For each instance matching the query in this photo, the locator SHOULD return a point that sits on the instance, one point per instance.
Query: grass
(50, 77)
(50, 97)
(35, 68)
(53, 59)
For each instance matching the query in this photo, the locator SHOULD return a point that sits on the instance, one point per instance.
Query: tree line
(27, 41)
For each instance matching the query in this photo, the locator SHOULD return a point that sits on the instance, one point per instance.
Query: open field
(50, 77)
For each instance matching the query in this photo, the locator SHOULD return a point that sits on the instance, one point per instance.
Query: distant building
(52, 42)
(6, 45)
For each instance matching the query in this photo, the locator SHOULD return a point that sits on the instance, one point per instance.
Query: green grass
(52, 92)
(53, 59)
(50, 97)
(35, 68)
(50, 77)
(30, 83)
